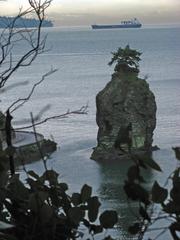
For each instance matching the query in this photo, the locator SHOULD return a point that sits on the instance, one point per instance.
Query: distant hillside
(23, 22)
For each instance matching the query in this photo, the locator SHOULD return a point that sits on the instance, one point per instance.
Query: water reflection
(111, 190)
(112, 194)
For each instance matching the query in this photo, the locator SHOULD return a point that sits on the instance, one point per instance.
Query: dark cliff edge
(34, 152)
(26, 148)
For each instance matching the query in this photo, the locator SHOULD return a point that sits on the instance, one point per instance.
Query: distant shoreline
(6, 22)
(88, 27)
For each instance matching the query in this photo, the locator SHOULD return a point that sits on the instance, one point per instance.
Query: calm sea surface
(81, 56)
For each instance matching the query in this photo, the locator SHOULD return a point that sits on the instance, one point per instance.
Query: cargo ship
(124, 24)
(20, 22)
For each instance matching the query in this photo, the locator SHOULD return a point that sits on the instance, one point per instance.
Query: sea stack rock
(126, 111)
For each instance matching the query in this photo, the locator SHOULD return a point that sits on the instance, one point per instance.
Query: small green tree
(126, 59)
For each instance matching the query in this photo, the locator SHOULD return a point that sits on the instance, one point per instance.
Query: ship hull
(116, 26)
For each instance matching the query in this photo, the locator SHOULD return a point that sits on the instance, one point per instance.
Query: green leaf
(108, 219)
(35, 184)
(63, 186)
(134, 229)
(86, 192)
(33, 174)
(172, 208)
(152, 164)
(76, 199)
(109, 238)
(177, 152)
(54, 196)
(159, 194)
(36, 200)
(93, 208)
(86, 223)
(175, 192)
(95, 229)
(176, 176)
(51, 176)
(136, 192)
(76, 215)
(17, 190)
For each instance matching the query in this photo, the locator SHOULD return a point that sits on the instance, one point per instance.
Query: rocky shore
(27, 149)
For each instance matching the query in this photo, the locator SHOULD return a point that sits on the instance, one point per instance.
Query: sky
(86, 12)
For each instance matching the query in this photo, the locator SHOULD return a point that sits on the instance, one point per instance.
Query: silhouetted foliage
(42, 209)
(168, 199)
(126, 59)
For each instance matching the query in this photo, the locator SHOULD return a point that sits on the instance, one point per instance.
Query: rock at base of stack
(126, 117)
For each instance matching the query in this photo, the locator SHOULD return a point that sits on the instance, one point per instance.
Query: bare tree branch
(22, 101)
(82, 110)
(33, 38)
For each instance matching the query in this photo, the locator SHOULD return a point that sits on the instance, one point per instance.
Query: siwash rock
(126, 116)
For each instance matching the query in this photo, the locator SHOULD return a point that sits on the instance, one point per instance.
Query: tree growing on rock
(125, 101)
(126, 59)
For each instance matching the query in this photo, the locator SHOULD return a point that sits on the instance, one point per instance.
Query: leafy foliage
(108, 219)
(126, 59)
(42, 209)
(168, 199)
(159, 194)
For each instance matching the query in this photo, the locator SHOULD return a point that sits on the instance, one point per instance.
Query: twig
(82, 110)
(22, 101)
(37, 142)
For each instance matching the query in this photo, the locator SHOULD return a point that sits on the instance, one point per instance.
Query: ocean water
(81, 56)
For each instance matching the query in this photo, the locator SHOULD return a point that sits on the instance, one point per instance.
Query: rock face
(126, 117)
(30, 153)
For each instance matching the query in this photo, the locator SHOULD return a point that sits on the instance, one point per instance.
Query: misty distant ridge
(22, 22)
